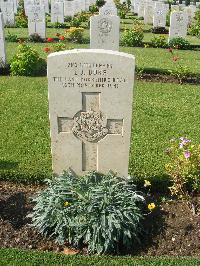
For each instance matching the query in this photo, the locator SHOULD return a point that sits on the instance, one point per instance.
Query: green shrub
(183, 167)
(75, 34)
(93, 9)
(58, 25)
(26, 62)
(160, 30)
(179, 43)
(12, 37)
(134, 37)
(21, 20)
(101, 211)
(35, 37)
(68, 18)
(100, 3)
(159, 41)
(75, 22)
(195, 27)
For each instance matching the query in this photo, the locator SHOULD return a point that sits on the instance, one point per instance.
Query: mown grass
(160, 112)
(14, 257)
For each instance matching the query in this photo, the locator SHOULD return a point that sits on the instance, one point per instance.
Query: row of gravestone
(59, 8)
(155, 12)
(104, 28)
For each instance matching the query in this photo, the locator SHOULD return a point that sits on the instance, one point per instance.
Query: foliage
(93, 9)
(35, 37)
(159, 41)
(21, 20)
(101, 211)
(133, 37)
(195, 27)
(12, 37)
(179, 43)
(184, 166)
(180, 71)
(84, 16)
(159, 30)
(100, 3)
(75, 34)
(75, 22)
(26, 61)
(68, 18)
(58, 25)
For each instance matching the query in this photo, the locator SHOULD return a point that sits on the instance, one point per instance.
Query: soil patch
(171, 230)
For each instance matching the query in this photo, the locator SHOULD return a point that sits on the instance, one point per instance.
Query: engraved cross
(90, 126)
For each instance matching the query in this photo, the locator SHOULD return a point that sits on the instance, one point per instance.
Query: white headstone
(159, 15)
(8, 13)
(57, 12)
(141, 9)
(69, 8)
(108, 9)
(37, 21)
(90, 107)
(104, 32)
(136, 6)
(2, 43)
(45, 3)
(148, 13)
(178, 24)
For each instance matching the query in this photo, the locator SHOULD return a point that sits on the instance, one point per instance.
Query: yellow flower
(151, 206)
(147, 183)
(66, 203)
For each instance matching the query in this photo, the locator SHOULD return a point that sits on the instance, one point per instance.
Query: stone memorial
(57, 12)
(108, 10)
(136, 6)
(37, 21)
(148, 13)
(90, 109)
(45, 3)
(159, 15)
(7, 9)
(69, 8)
(178, 24)
(2, 43)
(104, 32)
(141, 9)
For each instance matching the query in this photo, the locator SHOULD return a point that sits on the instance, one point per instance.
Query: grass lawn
(12, 257)
(160, 112)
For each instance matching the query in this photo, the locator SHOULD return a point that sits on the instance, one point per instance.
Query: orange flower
(175, 58)
(46, 49)
(62, 38)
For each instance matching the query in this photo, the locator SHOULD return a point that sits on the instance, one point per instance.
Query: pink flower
(175, 58)
(187, 154)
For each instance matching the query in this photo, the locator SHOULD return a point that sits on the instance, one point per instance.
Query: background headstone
(178, 24)
(104, 32)
(90, 106)
(37, 21)
(57, 12)
(2, 43)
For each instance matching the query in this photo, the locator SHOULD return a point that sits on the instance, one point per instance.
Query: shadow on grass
(7, 165)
